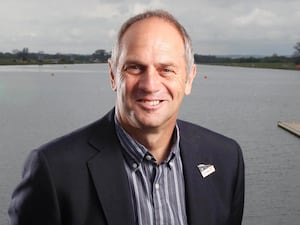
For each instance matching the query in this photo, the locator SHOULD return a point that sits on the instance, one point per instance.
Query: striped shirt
(158, 194)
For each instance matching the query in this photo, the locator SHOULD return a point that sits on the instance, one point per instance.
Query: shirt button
(148, 157)
(156, 186)
(171, 164)
(134, 165)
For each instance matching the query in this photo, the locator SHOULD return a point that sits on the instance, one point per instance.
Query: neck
(157, 143)
(156, 140)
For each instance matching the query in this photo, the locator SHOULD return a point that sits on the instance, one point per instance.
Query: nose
(150, 80)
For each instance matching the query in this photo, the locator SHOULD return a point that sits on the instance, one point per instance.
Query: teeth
(152, 103)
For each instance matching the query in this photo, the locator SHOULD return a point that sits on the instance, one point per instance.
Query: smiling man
(139, 164)
(151, 79)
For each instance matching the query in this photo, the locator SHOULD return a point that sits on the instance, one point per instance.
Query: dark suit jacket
(80, 179)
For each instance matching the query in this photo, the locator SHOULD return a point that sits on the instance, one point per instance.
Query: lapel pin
(206, 170)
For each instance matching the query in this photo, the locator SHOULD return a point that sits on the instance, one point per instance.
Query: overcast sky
(262, 27)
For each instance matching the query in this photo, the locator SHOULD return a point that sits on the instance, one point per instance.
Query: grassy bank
(35, 62)
(286, 66)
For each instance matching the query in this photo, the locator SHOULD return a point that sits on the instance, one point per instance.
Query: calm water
(39, 103)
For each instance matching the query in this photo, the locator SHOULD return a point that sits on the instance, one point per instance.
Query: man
(139, 164)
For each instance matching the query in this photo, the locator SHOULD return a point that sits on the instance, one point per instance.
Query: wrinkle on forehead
(155, 37)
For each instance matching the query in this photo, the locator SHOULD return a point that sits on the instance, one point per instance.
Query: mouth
(150, 103)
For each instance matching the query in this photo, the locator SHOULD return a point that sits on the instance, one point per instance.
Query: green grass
(287, 66)
(32, 62)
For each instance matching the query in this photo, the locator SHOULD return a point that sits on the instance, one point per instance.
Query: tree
(24, 54)
(101, 55)
(297, 53)
(297, 48)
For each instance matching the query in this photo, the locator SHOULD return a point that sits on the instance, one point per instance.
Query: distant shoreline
(45, 63)
(284, 66)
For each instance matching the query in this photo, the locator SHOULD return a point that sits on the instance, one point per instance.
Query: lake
(39, 103)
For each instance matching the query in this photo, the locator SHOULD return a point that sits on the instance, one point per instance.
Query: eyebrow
(133, 61)
(160, 64)
(167, 64)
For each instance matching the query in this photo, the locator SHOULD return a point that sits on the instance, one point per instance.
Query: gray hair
(162, 14)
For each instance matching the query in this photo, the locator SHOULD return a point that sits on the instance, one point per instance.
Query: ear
(190, 79)
(112, 76)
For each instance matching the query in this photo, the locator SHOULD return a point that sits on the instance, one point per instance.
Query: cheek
(120, 82)
(179, 86)
(125, 86)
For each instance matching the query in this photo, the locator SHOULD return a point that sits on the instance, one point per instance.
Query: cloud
(216, 27)
(258, 17)
(105, 10)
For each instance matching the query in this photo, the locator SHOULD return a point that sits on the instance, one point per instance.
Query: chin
(148, 123)
(157, 121)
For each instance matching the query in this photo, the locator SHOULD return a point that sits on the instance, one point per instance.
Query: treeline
(281, 61)
(231, 60)
(101, 56)
(26, 57)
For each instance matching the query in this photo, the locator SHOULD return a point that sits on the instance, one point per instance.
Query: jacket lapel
(199, 191)
(109, 176)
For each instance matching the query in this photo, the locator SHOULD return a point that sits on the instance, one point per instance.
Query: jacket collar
(198, 189)
(108, 173)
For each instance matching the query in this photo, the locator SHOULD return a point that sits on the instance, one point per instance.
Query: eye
(168, 71)
(134, 69)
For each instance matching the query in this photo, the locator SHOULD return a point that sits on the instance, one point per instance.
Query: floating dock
(292, 127)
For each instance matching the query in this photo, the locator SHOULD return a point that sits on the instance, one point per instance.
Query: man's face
(150, 78)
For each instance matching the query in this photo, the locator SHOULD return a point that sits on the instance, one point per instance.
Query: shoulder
(76, 144)
(208, 141)
(195, 132)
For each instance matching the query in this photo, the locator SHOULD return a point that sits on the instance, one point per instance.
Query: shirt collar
(135, 152)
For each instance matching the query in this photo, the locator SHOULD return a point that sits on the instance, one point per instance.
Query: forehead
(153, 31)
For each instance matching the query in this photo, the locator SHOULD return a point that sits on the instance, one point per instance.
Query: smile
(150, 102)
